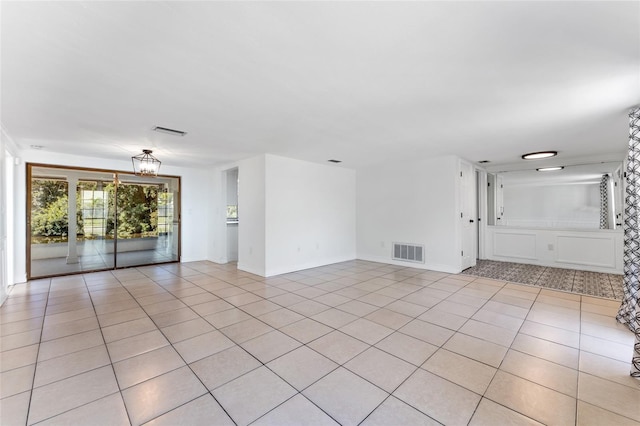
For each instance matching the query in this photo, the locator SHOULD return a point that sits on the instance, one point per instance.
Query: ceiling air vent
(408, 252)
(169, 131)
(334, 161)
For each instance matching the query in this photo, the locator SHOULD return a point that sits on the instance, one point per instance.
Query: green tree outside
(137, 210)
(49, 215)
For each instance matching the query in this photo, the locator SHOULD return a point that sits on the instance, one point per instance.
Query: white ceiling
(363, 82)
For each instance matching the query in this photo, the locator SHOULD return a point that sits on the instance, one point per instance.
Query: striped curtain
(604, 202)
(629, 313)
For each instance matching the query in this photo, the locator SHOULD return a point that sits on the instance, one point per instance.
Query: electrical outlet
(550, 247)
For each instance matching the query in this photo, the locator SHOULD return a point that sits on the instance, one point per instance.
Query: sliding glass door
(147, 222)
(83, 220)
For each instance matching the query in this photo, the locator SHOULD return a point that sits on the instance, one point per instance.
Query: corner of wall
(252, 193)
(252, 270)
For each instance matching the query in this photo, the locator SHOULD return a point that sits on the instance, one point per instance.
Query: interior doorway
(232, 219)
(82, 220)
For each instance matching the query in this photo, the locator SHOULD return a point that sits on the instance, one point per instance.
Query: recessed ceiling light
(37, 146)
(550, 169)
(538, 155)
(169, 131)
(335, 161)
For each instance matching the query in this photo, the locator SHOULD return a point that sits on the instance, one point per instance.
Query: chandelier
(145, 164)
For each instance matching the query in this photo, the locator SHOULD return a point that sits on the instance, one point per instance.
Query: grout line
(169, 344)
(35, 370)
(233, 281)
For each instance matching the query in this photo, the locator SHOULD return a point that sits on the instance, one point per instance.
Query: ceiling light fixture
(335, 161)
(169, 131)
(539, 155)
(145, 164)
(549, 169)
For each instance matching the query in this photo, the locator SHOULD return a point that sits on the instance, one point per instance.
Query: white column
(72, 256)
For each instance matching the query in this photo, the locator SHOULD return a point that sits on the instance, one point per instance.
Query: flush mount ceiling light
(145, 164)
(550, 169)
(539, 155)
(169, 131)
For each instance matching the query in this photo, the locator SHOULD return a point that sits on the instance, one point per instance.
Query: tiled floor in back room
(571, 280)
(350, 343)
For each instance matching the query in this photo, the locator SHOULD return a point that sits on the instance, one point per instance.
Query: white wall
(4, 276)
(232, 187)
(251, 204)
(598, 250)
(563, 206)
(217, 236)
(8, 151)
(410, 202)
(310, 214)
(195, 201)
(232, 242)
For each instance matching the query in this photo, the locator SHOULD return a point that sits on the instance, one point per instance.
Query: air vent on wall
(408, 252)
(169, 131)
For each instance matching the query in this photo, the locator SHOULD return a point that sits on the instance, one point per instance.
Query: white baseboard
(427, 266)
(308, 265)
(254, 271)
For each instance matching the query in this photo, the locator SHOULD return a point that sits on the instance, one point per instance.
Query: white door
(481, 211)
(618, 197)
(491, 199)
(468, 214)
(500, 201)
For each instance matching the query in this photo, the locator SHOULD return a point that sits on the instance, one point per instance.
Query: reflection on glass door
(146, 215)
(82, 220)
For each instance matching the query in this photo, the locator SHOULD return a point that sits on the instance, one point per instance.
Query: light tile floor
(350, 343)
(93, 260)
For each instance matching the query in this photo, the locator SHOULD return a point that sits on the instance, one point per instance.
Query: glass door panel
(147, 220)
(57, 244)
(120, 220)
(95, 202)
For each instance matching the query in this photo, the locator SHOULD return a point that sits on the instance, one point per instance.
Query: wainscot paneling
(589, 250)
